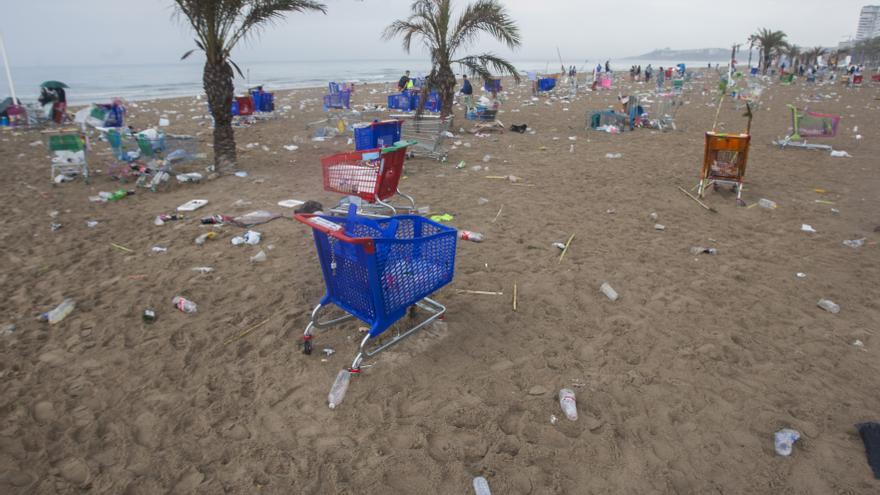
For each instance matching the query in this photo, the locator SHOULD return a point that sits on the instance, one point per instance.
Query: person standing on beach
(648, 71)
(661, 78)
(608, 66)
(468, 91)
(405, 82)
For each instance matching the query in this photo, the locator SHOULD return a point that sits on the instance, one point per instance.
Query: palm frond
(487, 16)
(487, 65)
(265, 12)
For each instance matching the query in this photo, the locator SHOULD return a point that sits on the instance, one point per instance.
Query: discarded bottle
(60, 312)
(609, 292)
(467, 235)
(559, 245)
(460, 165)
(117, 195)
(340, 386)
(200, 240)
(481, 486)
(215, 219)
(829, 305)
(784, 440)
(204, 270)
(568, 404)
(184, 304)
(659, 226)
(766, 203)
(855, 243)
(149, 315)
(703, 250)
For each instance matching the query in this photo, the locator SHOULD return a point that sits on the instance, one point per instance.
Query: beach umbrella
(54, 85)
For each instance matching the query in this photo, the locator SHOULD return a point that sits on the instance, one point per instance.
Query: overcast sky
(98, 32)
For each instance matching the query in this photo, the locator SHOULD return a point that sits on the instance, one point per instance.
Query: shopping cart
(377, 270)
(661, 113)
(369, 178)
(428, 132)
(725, 158)
(68, 155)
(339, 100)
(807, 124)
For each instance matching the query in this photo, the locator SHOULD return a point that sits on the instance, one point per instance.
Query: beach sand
(680, 383)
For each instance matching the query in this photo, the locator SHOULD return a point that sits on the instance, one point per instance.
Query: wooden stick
(479, 292)
(514, 296)
(249, 330)
(498, 215)
(121, 248)
(713, 210)
(565, 249)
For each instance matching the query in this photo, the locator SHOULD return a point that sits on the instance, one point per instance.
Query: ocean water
(100, 83)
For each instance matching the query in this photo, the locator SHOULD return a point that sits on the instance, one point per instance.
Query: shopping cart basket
(429, 132)
(376, 270)
(368, 177)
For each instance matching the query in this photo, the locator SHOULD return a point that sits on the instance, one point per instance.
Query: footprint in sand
(146, 431)
(74, 471)
(44, 412)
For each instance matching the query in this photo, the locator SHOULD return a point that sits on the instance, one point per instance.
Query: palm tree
(752, 40)
(812, 55)
(219, 25)
(431, 21)
(793, 53)
(770, 42)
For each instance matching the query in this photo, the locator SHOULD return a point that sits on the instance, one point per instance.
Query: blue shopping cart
(377, 270)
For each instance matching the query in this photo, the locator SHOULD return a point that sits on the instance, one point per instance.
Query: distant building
(869, 23)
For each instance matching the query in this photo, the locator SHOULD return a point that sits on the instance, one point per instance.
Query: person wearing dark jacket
(404, 82)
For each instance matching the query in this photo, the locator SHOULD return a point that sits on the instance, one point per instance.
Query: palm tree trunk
(217, 80)
(446, 86)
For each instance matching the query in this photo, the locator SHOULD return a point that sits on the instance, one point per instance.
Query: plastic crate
(245, 105)
(377, 269)
(432, 104)
(267, 103)
(257, 98)
(492, 85)
(376, 134)
(402, 101)
(340, 100)
(546, 84)
(369, 174)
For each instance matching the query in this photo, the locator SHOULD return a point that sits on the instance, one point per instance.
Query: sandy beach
(680, 384)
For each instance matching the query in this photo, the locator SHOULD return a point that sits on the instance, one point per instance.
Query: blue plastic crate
(377, 269)
(492, 85)
(402, 102)
(267, 103)
(432, 105)
(341, 99)
(376, 134)
(546, 84)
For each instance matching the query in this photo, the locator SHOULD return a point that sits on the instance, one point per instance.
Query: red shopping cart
(368, 178)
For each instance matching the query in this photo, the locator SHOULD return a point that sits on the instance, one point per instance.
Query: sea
(101, 83)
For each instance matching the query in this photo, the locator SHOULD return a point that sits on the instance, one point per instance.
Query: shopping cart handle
(334, 230)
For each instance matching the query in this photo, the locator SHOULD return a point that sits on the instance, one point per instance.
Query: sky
(113, 32)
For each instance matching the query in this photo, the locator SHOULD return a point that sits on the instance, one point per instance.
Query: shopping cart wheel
(307, 347)
(412, 311)
(740, 202)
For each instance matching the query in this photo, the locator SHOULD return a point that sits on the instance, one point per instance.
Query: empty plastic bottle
(568, 404)
(184, 304)
(766, 203)
(481, 486)
(609, 291)
(701, 250)
(784, 440)
(60, 312)
(829, 305)
(337, 391)
(467, 235)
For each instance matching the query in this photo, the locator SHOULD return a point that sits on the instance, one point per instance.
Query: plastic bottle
(700, 250)
(608, 291)
(340, 386)
(117, 195)
(467, 235)
(784, 440)
(481, 486)
(829, 305)
(184, 304)
(60, 312)
(766, 203)
(215, 219)
(200, 240)
(568, 403)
